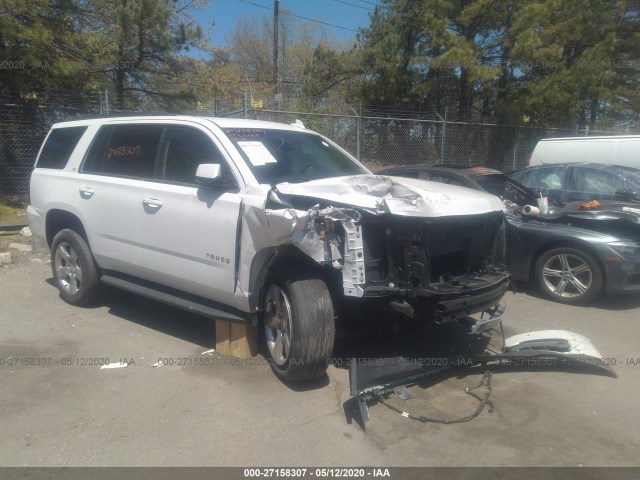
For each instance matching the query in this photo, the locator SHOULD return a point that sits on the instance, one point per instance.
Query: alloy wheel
(68, 269)
(567, 275)
(277, 324)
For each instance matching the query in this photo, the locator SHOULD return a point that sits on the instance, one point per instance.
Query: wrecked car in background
(250, 221)
(573, 253)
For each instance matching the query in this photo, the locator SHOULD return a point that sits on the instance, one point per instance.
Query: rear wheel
(299, 328)
(74, 270)
(569, 275)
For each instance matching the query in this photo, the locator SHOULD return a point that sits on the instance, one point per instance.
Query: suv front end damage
(425, 254)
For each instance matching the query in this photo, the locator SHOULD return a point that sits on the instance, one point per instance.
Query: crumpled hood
(396, 195)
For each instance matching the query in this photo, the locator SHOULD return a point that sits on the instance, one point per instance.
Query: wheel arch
(570, 243)
(58, 219)
(268, 264)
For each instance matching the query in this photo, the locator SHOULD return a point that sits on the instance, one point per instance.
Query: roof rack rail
(118, 114)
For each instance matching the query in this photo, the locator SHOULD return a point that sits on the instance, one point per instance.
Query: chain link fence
(377, 141)
(381, 142)
(24, 123)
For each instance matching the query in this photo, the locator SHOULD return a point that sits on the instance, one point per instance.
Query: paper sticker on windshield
(257, 153)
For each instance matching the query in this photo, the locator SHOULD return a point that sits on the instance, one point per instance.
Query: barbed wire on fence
(378, 141)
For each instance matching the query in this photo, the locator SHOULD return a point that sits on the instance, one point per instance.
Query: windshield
(506, 188)
(277, 156)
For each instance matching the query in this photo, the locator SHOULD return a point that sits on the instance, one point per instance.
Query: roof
(444, 168)
(221, 122)
(587, 139)
(597, 166)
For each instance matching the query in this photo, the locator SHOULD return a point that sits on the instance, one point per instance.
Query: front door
(188, 231)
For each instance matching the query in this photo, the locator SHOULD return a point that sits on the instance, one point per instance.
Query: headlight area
(628, 251)
(627, 271)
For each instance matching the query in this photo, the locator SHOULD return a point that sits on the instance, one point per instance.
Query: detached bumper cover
(549, 349)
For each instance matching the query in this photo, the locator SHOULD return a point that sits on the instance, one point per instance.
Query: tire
(299, 328)
(74, 269)
(569, 275)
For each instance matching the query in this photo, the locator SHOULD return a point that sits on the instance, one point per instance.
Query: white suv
(251, 221)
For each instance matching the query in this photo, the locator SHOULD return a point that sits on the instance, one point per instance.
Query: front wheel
(569, 275)
(299, 328)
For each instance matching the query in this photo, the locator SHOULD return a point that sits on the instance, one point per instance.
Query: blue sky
(350, 14)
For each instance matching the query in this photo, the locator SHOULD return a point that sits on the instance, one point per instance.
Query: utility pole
(245, 103)
(276, 90)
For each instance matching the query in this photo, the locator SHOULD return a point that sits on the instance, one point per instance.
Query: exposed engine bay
(432, 268)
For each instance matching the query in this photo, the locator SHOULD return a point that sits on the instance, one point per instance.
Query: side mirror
(209, 174)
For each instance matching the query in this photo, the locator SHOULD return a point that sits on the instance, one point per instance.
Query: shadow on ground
(604, 302)
(157, 316)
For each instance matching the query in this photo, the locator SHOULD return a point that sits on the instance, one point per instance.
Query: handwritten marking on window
(124, 151)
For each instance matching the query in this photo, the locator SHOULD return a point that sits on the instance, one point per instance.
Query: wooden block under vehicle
(238, 340)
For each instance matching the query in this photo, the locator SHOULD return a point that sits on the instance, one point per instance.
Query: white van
(621, 150)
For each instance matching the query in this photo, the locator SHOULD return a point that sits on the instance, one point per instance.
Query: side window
(59, 146)
(521, 176)
(182, 150)
(124, 151)
(550, 178)
(404, 173)
(448, 179)
(597, 182)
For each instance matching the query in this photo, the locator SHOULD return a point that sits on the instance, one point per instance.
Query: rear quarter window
(59, 146)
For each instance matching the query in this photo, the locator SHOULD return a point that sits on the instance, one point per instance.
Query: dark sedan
(568, 182)
(573, 254)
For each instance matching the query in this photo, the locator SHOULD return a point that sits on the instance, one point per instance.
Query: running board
(191, 304)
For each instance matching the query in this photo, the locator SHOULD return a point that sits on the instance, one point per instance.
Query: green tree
(42, 47)
(582, 62)
(138, 45)
(566, 63)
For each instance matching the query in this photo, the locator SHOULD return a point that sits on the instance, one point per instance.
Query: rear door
(108, 189)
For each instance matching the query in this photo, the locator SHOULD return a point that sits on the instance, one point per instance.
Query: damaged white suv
(251, 221)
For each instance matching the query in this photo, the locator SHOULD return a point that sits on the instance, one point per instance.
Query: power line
(284, 12)
(373, 3)
(354, 5)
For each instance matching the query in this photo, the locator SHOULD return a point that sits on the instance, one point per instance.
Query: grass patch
(12, 210)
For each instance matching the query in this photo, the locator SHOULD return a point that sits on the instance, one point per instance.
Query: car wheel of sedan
(73, 268)
(299, 328)
(569, 275)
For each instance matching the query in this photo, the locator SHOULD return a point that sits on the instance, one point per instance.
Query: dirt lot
(70, 412)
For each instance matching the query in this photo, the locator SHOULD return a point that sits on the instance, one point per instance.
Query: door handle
(86, 192)
(152, 203)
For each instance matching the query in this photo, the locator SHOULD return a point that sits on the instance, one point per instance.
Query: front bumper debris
(373, 379)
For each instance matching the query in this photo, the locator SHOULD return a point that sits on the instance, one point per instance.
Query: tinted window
(403, 173)
(520, 176)
(548, 178)
(448, 179)
(506, 188)
(634, 181)
(124, 150)
(58, 148)
(183, 149)
(276, 156)
(597, 182)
